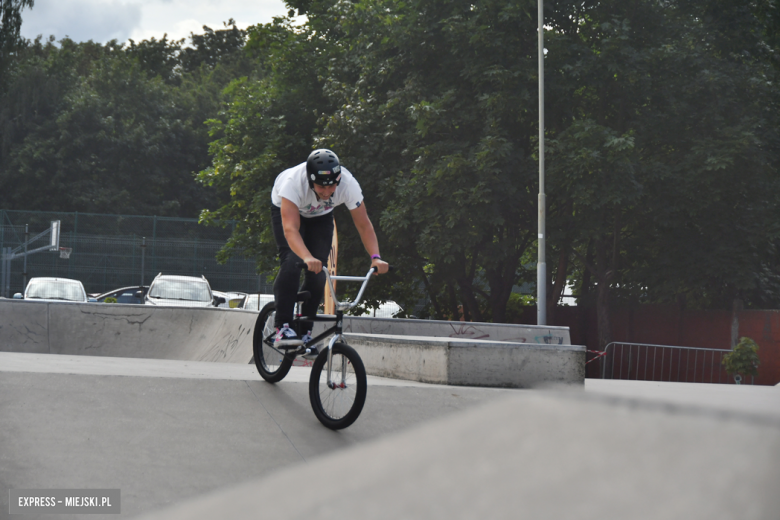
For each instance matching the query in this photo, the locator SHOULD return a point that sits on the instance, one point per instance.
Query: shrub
(743, 360)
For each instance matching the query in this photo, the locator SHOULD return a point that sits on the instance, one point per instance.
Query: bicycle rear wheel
(339, 404)
(272, 364)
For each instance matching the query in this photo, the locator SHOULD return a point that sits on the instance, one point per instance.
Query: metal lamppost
(541, 265)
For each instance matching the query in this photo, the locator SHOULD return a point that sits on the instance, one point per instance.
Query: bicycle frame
(337, 330)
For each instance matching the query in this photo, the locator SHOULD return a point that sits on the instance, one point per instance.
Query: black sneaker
(286, 338)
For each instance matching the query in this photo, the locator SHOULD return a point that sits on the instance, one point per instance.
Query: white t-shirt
(293, 186)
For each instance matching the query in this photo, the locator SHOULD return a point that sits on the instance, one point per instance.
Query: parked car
(233, 299)
(256, 302)
(134, 294)
(55, 290)
(183, 291)
(386, 309)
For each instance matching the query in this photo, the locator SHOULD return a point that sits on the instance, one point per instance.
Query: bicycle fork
(337, 336)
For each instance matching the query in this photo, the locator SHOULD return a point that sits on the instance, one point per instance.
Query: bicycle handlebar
(343, 306)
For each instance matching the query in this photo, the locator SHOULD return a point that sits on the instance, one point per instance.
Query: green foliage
(113, 128)
(10, 39)
(743, 359)
(517, 306)
(661, 131)
(110, 300)
(432, 116)
(268, 126)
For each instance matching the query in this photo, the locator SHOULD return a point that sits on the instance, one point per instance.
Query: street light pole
(541, 264)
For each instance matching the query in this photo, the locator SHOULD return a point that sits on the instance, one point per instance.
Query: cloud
(82, 20)
(178, 18)
(103, 20)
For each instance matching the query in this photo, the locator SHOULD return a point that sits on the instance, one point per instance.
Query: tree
(667, 156)
(10, 24)
(661, 124)
(267, 126)
(433, 111)
(109, 128)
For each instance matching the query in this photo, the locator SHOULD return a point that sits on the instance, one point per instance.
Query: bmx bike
(337, 383)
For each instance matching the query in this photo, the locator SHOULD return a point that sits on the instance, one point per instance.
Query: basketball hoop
(65, 252)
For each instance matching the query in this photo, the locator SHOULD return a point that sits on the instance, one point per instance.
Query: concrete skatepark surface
(188, 439)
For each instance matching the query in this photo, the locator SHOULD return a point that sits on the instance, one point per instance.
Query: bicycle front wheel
(272, 364)
(338, 404)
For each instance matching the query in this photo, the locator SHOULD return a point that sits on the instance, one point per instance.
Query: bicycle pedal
(311, 353)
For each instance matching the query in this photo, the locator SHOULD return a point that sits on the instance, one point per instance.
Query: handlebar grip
(302, 265)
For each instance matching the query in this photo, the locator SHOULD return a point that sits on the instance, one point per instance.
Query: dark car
(133, 294)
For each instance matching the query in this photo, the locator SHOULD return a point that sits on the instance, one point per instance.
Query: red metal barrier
(670, 325)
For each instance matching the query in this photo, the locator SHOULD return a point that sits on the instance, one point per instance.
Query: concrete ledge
(459, 329)
(117, 330)
(466, 362)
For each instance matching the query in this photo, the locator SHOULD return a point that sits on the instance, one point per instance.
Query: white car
(256, 302)
(55, 290)
(181, 291)
(386, 309)
(233, 300)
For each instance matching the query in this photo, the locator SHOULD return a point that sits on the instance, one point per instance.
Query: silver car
(181, 291)
(55, 290)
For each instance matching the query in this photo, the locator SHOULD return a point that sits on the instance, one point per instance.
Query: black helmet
(323, 168)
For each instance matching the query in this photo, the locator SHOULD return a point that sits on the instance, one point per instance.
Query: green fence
(107, 253)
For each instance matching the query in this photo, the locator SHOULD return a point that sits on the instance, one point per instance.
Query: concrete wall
(117, 330)
(458, 361)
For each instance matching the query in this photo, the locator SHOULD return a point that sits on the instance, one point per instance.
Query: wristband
(375, 256)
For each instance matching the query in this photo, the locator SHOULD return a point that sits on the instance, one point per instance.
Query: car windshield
(180, 290)
(55, 290)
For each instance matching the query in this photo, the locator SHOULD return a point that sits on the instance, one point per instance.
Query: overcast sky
(104, 20)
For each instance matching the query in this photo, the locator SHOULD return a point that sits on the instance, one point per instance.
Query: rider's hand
(381, 265)
(313, 265)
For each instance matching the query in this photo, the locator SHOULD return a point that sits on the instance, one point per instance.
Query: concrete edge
(468, 362)
(461, 342)
(471, 323)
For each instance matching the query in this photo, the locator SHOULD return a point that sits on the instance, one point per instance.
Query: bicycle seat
(303, 296)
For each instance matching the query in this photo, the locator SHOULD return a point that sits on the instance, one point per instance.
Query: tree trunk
(470, 301)
(500, 281)
(432, 295)
(559, 285)
(603, 277)
(453, 301)
(603, 313)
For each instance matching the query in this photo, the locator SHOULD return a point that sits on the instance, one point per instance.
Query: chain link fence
(107, 251)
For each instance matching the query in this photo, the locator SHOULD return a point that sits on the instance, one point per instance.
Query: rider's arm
(368, 236)
(291, 223)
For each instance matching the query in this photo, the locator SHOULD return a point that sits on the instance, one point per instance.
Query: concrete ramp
(545, 455)
(134, 331)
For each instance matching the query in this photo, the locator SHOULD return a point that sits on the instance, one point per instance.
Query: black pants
(317, 234)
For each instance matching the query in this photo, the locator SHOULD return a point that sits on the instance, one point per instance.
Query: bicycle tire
(338, 407)
(272, 365)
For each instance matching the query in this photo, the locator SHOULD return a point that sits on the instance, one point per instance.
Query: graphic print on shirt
(322, 206)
